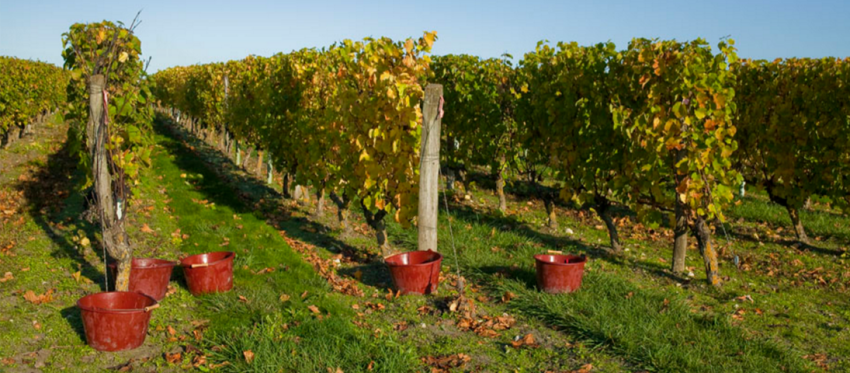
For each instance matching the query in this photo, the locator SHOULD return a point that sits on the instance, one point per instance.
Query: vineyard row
(669, 129)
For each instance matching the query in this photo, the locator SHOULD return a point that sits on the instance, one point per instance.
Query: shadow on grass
(780, 214)
(525, 190)
(650, 328)
(249, 191)
(524, 275)
(373, 274)
(74, 318)
(787, 243)
(516, 189)
(178, 276)
(817, 222)
(53, 202)
(373, 271)
(657, 270)
(467, 214)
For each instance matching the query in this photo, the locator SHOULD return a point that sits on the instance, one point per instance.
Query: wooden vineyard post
(115, 239)
(429, 167)
(271, 170)
(680, 232)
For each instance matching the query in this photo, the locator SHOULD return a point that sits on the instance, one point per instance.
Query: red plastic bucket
(149, 276)
(209, 273)
(117, 320)
(415, 272)
(559, 273)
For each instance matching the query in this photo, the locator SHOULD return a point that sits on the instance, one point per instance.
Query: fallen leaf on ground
(31, 297)
(739, 314)
(313, 309)
(745, 298)
(264, 271)
(445, 364)
(146, 228)
(819, 359)
(199, 360)
(219, 365)
(400, 326)
(527, 340)
(173, 358)
(375, 306)
(249, 356)
(584, 368)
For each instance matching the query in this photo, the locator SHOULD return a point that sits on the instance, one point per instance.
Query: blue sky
(188, 32)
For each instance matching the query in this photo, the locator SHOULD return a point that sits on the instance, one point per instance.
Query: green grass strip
(652, 329)
(283, 336)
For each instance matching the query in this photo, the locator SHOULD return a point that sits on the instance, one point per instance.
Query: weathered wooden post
(109, 205)
(429, 167)
(271, 170)
(238, 153)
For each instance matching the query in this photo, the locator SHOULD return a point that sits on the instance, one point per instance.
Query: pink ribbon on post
(441, 107)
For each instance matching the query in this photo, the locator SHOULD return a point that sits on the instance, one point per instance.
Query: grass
(668, 322)
(654, 329)
(170, 205)
(46, 254)
(656, 319)
(425, 335)
(784, 309)
(280, 334)
(827, 226)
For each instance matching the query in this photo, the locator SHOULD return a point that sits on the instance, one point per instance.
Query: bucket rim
(229, 255)
(152, 306)
(438, 258)
(539, 259)
(161, 263)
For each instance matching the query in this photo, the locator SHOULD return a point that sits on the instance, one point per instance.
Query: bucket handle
(200, 265)
(146, 309)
